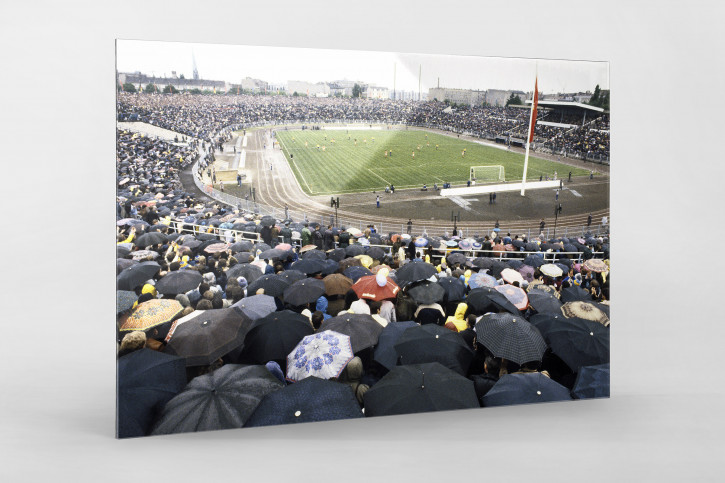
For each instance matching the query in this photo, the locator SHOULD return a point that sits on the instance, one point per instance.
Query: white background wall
(664, 421)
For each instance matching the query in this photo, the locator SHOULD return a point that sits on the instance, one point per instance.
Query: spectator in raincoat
(459, 319)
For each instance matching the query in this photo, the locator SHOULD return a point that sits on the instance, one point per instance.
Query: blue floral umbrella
(324, 355)
(481, 279)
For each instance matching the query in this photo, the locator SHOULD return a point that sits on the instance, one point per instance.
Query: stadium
(286, 259)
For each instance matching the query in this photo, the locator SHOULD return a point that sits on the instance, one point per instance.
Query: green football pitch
(328, 162)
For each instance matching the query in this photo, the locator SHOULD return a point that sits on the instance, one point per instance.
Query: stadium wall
(498, 188)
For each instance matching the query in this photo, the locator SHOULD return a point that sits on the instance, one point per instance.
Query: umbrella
(272, 284)
(256, 306)
(377, 268)
(152, 313)
(147, 380)
(338, 254)
(307, 248)
(532, 247)
(349, 262)
(222, 399)
(586, 311)
(337, 284)
(515, 264)
(284, 246)
(273, 337)
(376, 253)
(515, 295)
(534, 261)
(304, 291)
(368, 287)
(596, 265)
(365, 261)
(246, 270)
(577, 342)
(466, 244)
(291, 276)
(125, 300)
(216, 248)
(591, 382)
(192, 244)
(354, 231)
(432, 343)
(208, 336)
(152, 238)
(385, 353)
(144, 254)
(421, 242)
(136, 275)
(354, 250)
(485, 299)
(551, 270)
(415, 272)
(543, 302)
(308, 266)
(510, 275)
(542, 287)
(362, 329)
(574, 294)
(179, 281)
(418, 388)
(527, 272)
(313, 255)
(525, 389)
(324, 355)
(426, 292)
(497, 267)
(356, 272)
(267, 221)
(454, 258)
(243, 246)
(480, 279)
(330, 267)
(122, 252)
(454, 290)
(312, 399)
(511, 338)
(482, 262)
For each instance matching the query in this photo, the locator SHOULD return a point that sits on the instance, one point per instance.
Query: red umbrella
(515, 295)
(367, 287)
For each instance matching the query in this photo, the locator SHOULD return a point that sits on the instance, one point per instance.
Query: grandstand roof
(567, 105)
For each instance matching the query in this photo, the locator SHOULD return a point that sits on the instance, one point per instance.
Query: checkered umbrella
(510, 337)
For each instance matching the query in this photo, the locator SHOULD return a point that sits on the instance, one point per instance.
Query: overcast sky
(278, 65)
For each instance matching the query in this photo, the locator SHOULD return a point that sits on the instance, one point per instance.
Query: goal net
(487, 174)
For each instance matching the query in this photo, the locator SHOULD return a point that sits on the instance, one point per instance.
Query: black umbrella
(525, 388)
(124, 263)
(354, 250)
(223, 399)
(136, 275)
(419, 388)
(376, 253)
(482, 262)
(497, 266)
(208, 336)
(331, 266)
(291, 276)
(243, 246)
(203, 237)
(385, 353)
(179, 281)
(544, 302)
(591, 382)
(426, 292)
(313, 255)
(274, 253)
(273, 337)
(338, 254)
(125, 300)
(147, 380)
(262, 247)
(256, 306)
(272, 284)
(578, 342)
(309, 266)
(515, 264)
(415, 272)
(454, 289)
(267, 221)
(249, 272)
(432, 343)
(362, 329)
(122, 252)
(304, 291)
(518, 243)
(534, 261)
(531, 247)
(574, 294)
(191, 243)
(454, 258)
(510, 337)
(487, 299)
(355, 272)
(312, 399)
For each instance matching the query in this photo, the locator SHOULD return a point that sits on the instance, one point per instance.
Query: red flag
(533, 110)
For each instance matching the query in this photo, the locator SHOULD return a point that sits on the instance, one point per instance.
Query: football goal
(487, 174)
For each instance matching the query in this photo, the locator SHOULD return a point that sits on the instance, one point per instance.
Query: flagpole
(528, 137)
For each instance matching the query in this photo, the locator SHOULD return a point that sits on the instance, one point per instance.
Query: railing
(229, 236)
